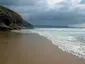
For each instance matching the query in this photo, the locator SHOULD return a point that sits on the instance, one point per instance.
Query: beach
(31, 48)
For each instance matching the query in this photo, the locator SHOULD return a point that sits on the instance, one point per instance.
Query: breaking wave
(71, 40)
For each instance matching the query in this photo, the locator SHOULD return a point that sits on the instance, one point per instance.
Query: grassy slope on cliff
(19, 20)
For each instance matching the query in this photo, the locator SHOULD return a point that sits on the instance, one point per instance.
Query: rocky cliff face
(10, 20)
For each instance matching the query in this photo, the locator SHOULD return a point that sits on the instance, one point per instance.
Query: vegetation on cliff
(10, 20)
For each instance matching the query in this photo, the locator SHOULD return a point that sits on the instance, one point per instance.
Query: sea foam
(68, 39)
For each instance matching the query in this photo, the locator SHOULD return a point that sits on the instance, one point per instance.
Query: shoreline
(31, 48)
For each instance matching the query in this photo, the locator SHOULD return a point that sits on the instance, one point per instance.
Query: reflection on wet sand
(16, 48)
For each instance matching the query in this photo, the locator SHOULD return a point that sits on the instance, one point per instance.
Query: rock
(10, 20)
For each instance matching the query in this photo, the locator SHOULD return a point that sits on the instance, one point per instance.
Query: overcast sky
(49, 12)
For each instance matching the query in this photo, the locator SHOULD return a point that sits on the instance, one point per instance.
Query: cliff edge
(10, 20)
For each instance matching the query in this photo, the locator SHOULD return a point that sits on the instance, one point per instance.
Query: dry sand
(16, 48)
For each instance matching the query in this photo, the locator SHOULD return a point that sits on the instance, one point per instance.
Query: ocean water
(71, 40)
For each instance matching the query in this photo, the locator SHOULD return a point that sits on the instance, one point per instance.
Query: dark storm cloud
(39, 12)
(58, 18)
(17, 2)
(82, 2)
(8, 2)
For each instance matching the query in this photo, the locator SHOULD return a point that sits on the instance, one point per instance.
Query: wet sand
(16, 48)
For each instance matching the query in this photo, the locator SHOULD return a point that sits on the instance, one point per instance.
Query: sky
(49, 12)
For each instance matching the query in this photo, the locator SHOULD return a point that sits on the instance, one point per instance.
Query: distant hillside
(50, 26)
(27, 25)
(78, 25)
(10, 20)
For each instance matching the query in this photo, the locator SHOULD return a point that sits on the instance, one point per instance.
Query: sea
(71, 40)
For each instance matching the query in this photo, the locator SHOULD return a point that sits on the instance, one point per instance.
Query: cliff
(10, 20)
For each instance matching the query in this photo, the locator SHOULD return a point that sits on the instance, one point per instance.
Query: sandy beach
(17, 48)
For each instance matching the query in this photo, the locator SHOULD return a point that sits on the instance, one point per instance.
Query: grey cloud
(37, 12)
(8, 2)
(56, 18)
(82, 2)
